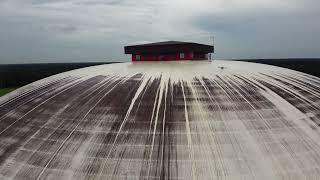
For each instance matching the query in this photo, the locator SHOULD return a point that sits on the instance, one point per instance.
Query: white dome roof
(164, 120)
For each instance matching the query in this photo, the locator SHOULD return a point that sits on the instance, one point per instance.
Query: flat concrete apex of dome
(169, 51)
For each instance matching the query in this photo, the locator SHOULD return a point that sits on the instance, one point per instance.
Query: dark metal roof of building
(168, 47)
(165, 43)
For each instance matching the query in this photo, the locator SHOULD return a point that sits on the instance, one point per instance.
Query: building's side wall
(187, 56)
(134, 57)
(166, 57)
(149, 57)
(200, 56)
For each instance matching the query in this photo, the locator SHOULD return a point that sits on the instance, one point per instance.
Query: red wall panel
(167, 57)
(187, 56)
(177, 56)
(149, 57)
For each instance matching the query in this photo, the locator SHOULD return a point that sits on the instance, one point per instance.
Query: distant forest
(17, 75)
(309, 66)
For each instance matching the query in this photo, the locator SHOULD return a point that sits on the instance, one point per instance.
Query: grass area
(4, 91)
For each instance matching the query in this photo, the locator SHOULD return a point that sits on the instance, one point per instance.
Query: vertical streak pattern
(164, 120)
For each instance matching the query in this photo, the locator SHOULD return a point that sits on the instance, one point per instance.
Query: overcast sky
(33, 31)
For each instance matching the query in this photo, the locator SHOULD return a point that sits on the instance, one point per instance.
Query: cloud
(63, 28)
(269, 32)
(97, 30)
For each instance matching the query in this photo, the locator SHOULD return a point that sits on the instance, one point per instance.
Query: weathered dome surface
(164, 120)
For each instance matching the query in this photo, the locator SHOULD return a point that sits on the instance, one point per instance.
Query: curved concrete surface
(164, 120)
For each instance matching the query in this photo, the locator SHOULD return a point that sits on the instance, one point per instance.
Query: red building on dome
(169, 51)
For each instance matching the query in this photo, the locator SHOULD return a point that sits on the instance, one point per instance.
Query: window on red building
(138, 57)
(181, 56)
(161, 57)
